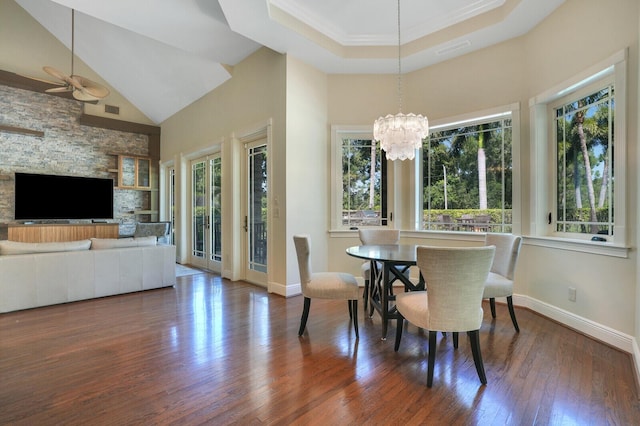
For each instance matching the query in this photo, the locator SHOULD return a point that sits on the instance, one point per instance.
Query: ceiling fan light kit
(82, 88)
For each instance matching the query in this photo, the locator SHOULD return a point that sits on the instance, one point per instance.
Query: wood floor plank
(210, 351)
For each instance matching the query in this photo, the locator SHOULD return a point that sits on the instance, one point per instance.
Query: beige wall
(566, 43)
(607, 285)
(636, 117)
(254, 96)
(307, 157)
(298, 191)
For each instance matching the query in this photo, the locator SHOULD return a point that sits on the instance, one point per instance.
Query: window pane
(584, 143)
(216, 208)
(467, 178)
(362, 183)
(199, 208)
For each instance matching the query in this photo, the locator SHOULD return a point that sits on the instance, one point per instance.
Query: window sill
(431, 235)
(583, 246)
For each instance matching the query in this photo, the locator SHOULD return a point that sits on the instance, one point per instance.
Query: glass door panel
(199, 212)
(127, 172)
(172, 203)
(215, 165)
(256, 213)
(206, 179)
(144, 166)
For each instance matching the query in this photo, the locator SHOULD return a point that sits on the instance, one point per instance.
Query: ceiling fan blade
(59, 89)
(91, 87)
(55, 73)
(83, 96)
(42, 80)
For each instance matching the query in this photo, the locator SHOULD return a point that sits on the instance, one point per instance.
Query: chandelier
(401, 134)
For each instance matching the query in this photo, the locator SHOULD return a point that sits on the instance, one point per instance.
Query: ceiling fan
(82, 88)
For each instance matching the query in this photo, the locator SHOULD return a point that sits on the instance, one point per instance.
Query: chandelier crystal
(401, 134)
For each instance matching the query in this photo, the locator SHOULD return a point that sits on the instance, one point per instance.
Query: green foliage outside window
(468, 170)
(361, 182)
(584, 144)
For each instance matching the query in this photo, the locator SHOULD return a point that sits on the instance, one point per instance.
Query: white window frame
(543, 173)
(470, 119)
(337, 133)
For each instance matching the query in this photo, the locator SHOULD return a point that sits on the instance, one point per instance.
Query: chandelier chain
(400, 135)
(73, 24)
(399, 64)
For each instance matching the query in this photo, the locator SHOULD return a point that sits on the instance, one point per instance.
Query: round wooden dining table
(389, 263)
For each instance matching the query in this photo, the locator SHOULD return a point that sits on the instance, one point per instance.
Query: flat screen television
(55, 197)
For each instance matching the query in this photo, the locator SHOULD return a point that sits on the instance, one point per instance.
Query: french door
(171, 187)
(255, 212)
(206, 235)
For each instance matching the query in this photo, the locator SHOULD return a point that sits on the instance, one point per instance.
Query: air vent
(451, 48)
(111, 109)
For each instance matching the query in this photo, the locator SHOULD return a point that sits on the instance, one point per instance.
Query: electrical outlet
(572, 294)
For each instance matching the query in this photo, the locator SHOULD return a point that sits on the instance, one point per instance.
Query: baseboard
(593, 329)
(636, 360)
(227, 273)
(284, 290)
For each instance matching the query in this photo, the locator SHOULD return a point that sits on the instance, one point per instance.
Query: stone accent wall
(67, 148)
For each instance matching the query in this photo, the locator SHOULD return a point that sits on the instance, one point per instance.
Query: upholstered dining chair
(452, 302)
(324, 285)
(374, 236)
(500, 280)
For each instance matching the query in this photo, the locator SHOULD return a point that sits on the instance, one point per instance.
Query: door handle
(246, 224)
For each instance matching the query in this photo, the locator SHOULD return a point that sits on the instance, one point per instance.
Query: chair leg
(432, 357)
(455, 340)
(492, 303)
(512, 313)
(355, 316)
(365, 296)
(305, 315)
(474, 336)
(399, 327)
(350, 310)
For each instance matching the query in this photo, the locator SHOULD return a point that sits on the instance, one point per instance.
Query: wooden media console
(46, 233)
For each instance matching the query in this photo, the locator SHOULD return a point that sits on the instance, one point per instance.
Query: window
(584, 167)
(362, 198)
(578, 151)
(467, 175)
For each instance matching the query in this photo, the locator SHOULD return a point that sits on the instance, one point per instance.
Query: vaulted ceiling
(162, 55)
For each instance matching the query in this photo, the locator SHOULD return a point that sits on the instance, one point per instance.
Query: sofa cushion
(16, 247)
(111, 243)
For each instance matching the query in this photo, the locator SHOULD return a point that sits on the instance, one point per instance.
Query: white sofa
(40, 274)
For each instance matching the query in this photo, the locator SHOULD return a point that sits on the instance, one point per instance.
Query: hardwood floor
(214, 352)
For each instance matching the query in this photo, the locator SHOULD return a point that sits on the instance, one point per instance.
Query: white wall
(307, 174)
